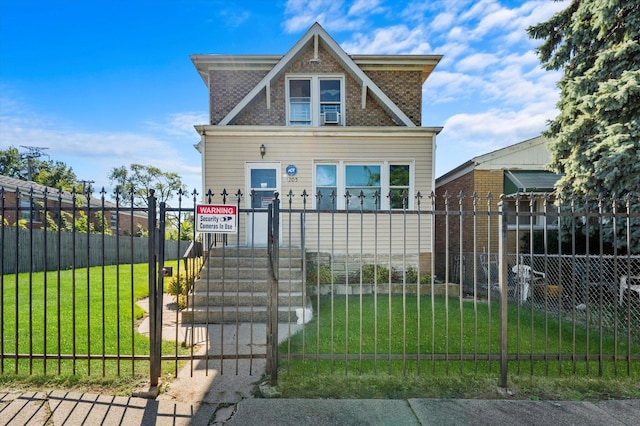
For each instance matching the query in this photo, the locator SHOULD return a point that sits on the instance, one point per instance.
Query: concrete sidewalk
(69, 408)
(222, 393)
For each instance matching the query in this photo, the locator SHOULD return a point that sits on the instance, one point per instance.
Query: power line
(32, 153)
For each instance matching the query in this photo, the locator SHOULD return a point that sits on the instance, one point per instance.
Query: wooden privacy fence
(39, 250)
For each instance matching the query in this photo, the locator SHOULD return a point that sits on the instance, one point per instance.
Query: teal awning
(529, 181)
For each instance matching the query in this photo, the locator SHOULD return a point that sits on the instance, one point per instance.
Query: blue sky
(107, 83)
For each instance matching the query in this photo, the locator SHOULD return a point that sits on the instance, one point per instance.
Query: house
(516, 169)
(25, 200)
(319, 120)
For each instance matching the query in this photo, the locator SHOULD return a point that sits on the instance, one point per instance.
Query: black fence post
(273, 245)
(154, 358)
(503, 283)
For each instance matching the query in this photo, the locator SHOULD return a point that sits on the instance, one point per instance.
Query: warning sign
(217, 218)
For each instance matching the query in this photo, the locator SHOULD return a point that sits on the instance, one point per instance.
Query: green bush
(313, 273)
(370, 273)
(412, 276)
(179, 286)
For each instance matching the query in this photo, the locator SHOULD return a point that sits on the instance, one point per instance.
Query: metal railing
(360, 291)
(515, 305)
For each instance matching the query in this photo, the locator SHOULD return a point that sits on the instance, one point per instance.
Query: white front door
(264, 179)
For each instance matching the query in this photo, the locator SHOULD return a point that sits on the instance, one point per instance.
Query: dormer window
(315, 101)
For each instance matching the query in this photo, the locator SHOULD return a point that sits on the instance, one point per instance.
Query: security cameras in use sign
(216, 218)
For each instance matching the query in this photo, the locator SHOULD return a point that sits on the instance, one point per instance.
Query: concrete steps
(233, 287)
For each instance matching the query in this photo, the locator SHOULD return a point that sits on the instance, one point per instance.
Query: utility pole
(86, 183)
(32, 153)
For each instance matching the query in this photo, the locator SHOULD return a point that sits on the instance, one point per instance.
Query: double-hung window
(399, 185)
(370, 186)
(326, 186)
(315, 100)
(300, 102)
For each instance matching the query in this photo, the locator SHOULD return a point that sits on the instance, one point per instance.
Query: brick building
(516, 169)
(31, 202)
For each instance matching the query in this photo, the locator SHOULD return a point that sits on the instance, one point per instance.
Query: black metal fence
(74, 272)
(552, 291)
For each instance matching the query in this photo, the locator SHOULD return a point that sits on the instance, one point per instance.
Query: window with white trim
(390, 180)
(362, 182)
(315, 100)
(399, 185)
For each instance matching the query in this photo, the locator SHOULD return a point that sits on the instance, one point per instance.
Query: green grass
(353, 329)
(61, 314)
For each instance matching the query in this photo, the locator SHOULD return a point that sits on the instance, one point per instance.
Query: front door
(264, 179)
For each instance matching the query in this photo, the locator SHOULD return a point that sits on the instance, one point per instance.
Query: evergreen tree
(596, 135)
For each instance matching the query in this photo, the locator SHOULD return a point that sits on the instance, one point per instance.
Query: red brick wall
(482, 182)
(228, 88)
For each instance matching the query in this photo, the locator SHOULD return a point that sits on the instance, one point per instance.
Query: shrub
(412, 276)
(179, 286)
(312, 274)
(371, 272)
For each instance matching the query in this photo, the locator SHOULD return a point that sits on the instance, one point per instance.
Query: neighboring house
(317, 119)
(518, 168)
(32, 202)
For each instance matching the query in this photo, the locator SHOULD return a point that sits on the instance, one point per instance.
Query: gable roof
(534, 150)
(317, 35)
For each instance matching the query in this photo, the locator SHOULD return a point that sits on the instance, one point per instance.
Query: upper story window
(315, 101)
(300, 102)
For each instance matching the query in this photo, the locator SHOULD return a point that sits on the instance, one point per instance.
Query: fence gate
(227, 292)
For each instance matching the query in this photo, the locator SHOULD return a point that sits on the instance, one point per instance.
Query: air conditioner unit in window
(331, 117)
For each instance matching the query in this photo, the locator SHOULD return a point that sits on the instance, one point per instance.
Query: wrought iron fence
(386, 298)
(426, 290)
(74, 269)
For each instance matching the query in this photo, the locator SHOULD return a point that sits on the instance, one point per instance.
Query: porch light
(263, 150)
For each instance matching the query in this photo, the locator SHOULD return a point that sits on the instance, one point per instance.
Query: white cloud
(180, 124)
(389, 40)
(442, 21)
(476, 62)
(92, 154)
(332, 15)
(479, 9)
(362, 7)
(477, 134)
(444, 86)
